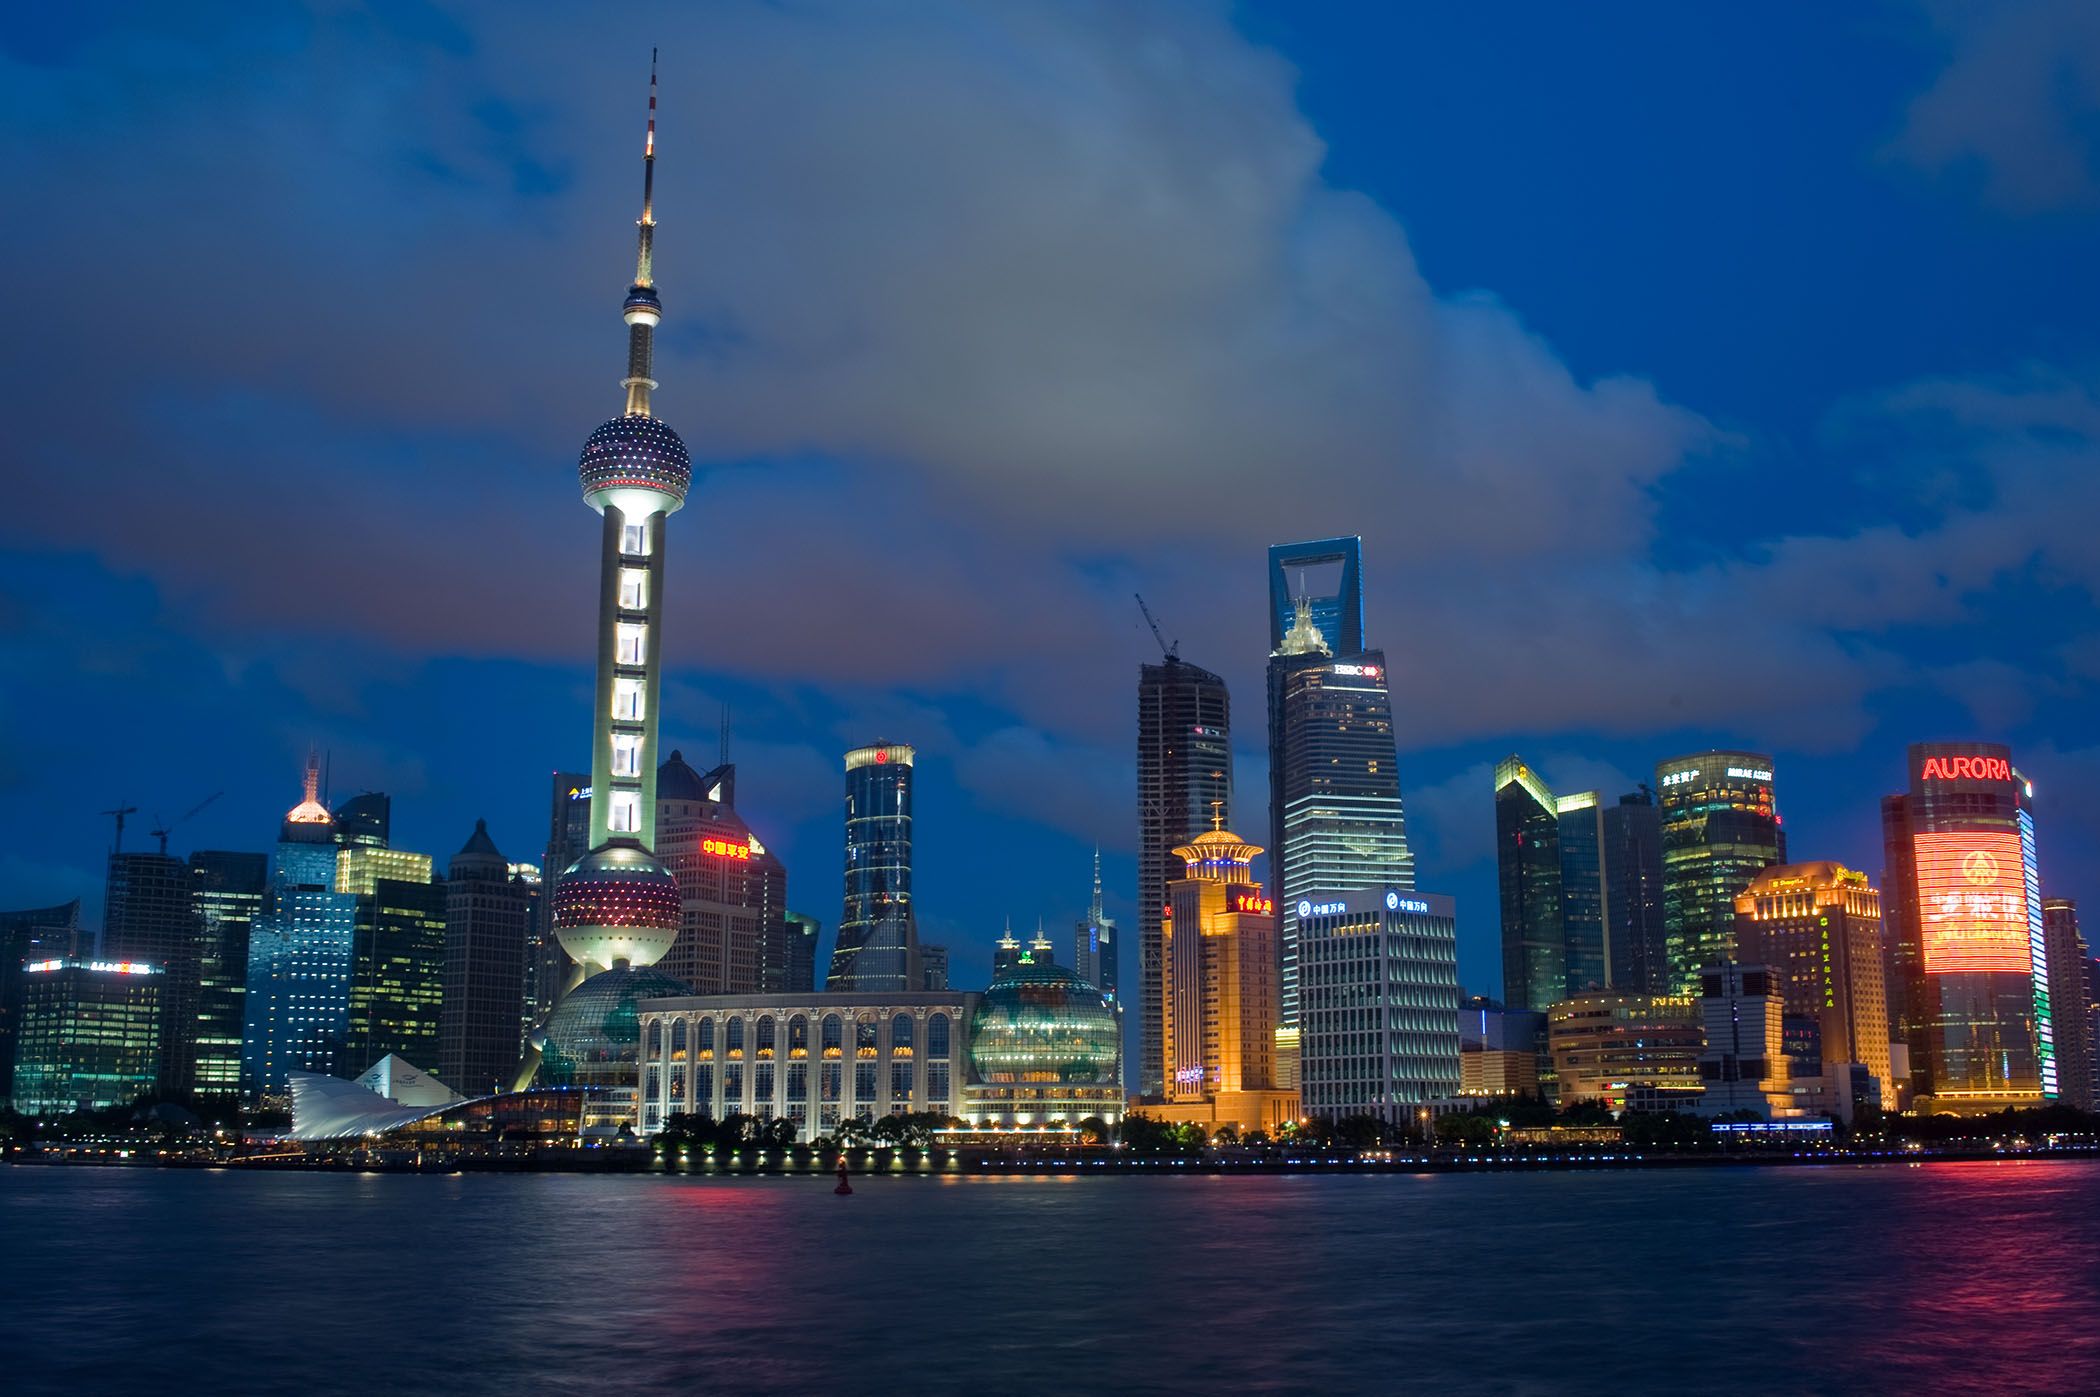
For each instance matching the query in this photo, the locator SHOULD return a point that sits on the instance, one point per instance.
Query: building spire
(643, 311)
(1094, 908)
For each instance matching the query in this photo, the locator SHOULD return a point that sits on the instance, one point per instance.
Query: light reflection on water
(1976, 1277)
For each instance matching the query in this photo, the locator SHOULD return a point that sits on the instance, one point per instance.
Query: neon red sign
(1251, 902)
(724, 849)
(1966, 769)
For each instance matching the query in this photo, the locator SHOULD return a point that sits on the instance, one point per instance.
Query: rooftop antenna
(120, 812)
(1217, 815)
(1172, 652)
(724, 761)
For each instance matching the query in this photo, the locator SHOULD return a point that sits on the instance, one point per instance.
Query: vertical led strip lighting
(2038, 959)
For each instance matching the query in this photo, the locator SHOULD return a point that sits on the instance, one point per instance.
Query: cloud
(2015, 113)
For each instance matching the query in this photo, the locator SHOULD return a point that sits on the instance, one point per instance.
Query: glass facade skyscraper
(1184, 771)
(150, 915)
(488, 925)
(1720, 829)
(1968, 938)
(229, 889)
(301, 950)
(1527, 867)
(877, 947)
(1380, 1004)
(1637, 951)
(1335, 812)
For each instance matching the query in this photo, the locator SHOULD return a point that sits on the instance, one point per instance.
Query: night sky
(1695, 375)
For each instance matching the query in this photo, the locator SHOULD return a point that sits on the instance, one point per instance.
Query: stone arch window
(900, 1035)
(937, 1036)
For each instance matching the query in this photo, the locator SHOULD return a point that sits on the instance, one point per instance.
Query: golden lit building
(1220, 992)
(1626, 1050)
(1817, 927)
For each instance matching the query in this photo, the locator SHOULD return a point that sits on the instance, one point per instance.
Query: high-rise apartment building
(1184, 771)
(877, 950)
(1816, 928)
(1220, 986)
(2070, 998)
(1720, 828)
(1379, 1031)
(228, 888)
(150, 915)
(1967, 936)
(732, 929)
(488, 927)
(1336, 818)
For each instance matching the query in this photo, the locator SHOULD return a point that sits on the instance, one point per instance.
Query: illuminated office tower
(1380, 1031)
(1221, 997)
(397, 962)
(1817, 928)
(1967, 937)
(617, 909)
(365, 820)
(31, 934)
(295, 1010)
(2070, 998)
(89, 1036)
(803, 933)
(1637, 951)
(1335, 813)
(1565, 864)
(568, 839)
(1184, 772)
(733, 930)
(877, 948)
(1719, 830)
(488, 924)
(150, 915)
(228, 888)
(1527, 867)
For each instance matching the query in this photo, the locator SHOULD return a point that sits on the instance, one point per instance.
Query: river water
(1972, 1278)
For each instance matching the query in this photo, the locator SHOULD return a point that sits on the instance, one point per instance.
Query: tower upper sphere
(635, 454)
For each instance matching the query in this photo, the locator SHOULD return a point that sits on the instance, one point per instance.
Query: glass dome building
(593, 1040)
(1045, 1049)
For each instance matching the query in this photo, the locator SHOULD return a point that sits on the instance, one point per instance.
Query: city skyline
(206, 674)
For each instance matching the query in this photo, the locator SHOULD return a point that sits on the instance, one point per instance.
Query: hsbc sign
(1966, 769)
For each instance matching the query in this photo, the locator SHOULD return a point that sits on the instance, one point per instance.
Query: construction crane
(120, 812)
(1172, 652)
(163, 828)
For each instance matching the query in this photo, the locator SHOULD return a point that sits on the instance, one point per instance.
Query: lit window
(634, 540)
(626, 754)
(626, 815)
(634, 589)
(627, 698)
(631, 643)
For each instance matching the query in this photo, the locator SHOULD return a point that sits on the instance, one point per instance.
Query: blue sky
(1695, 375)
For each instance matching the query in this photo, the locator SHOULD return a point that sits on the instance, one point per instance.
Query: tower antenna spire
(643, 311)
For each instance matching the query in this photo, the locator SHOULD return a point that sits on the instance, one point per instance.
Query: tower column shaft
(630, 680)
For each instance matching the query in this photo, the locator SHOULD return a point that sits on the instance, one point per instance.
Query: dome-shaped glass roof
(1039, 1022)
(635, 453)
(594, 1036)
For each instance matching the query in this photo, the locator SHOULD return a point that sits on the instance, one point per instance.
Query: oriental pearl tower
(616, 909)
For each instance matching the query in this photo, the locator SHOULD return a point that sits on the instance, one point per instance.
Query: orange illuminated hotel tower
(1221, 992)
(616, 909)
(1962, 897)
